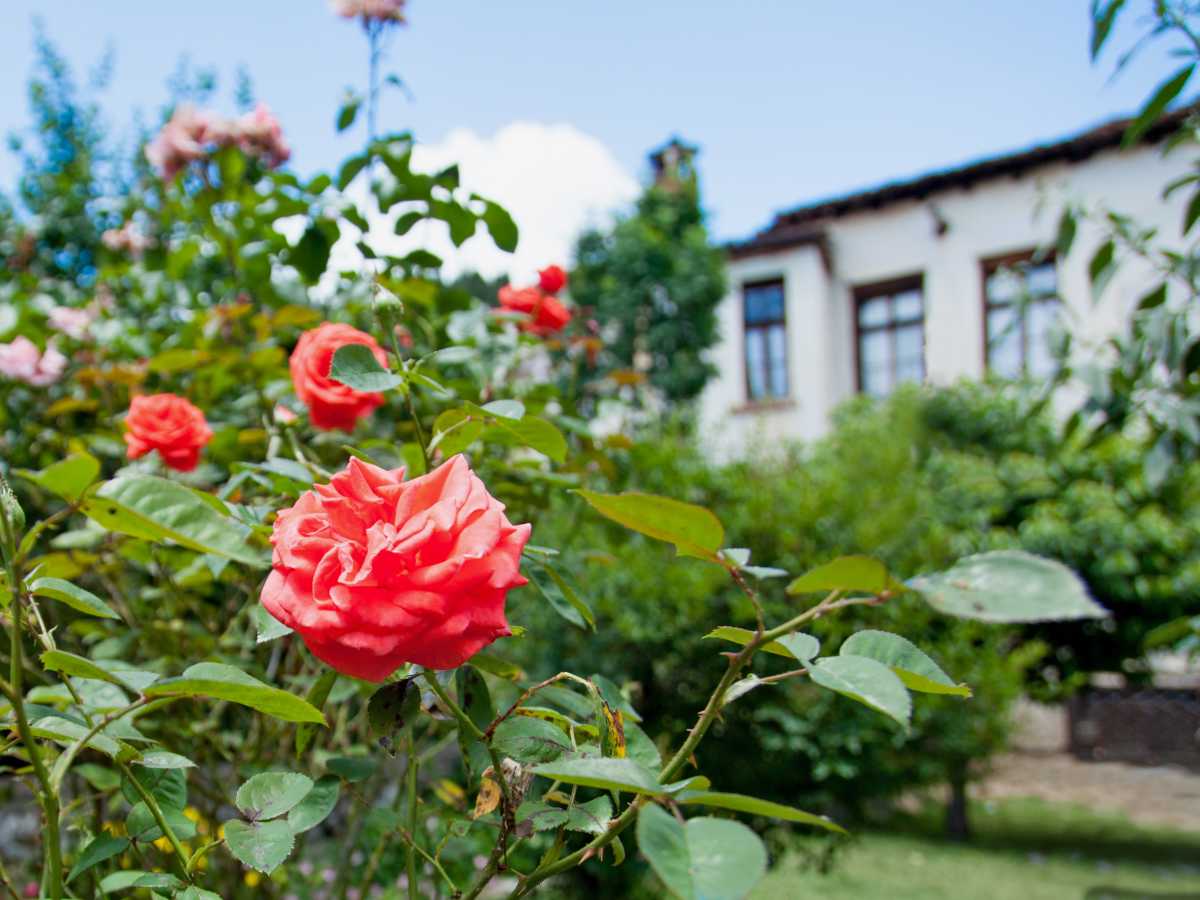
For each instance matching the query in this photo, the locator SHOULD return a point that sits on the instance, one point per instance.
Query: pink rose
(22, 361)
(370, 10)
(259, 134)
(373, 571)
(180, 142)
(74, 323)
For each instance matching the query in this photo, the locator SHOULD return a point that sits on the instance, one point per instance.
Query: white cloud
(554, 180)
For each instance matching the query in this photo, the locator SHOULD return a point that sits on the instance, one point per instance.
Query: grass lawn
(1022, 850)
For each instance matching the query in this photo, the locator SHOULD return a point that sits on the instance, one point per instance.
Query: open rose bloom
(370, 10)
(21, 360)
(169, 424)
(545, 315)
(331, 404)
(373, 571)
(191, 135)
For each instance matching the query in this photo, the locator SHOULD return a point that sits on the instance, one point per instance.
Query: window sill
(753, 407)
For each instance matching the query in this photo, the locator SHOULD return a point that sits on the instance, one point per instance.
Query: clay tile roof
(802, 224)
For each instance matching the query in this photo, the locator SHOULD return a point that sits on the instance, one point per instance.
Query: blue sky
(790, 100)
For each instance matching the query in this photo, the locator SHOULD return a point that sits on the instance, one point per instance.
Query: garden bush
(273, 487)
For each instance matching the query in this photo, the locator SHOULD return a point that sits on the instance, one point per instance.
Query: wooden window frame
(767, 399)
(867, 292)
(988, 267)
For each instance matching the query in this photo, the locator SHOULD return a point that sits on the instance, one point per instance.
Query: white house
(916, 280)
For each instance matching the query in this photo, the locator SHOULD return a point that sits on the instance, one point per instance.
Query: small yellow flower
(252, 879)
(163, 844)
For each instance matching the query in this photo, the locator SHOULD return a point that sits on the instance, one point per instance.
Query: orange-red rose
(330, 403)
(169, 424)
(373, 571)
(545, 315)
(552, 279)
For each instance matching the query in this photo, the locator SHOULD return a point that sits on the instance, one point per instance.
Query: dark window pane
(1042, 320)
(891, 343)
(1042, 280)
(764, 303)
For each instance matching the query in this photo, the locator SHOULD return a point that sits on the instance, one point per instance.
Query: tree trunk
(958, 826)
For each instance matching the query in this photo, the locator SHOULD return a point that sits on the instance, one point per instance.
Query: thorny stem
(411, 780)
(52, 880)
(752, 594)
(529, 692)
(507, 810)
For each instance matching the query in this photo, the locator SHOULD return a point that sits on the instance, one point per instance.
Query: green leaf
(1104, 15)
(163, 759)
(505, 409)
(269, 795)
(607, 773)
(1157, 105)
(1192, 213)
(222, 682)
(262, 845)
(167, 786)
(793, 646)
(66, 732)
(155, 509)
(1068, 225)
(1009, 586)
(703, 859)
(316, 805)
(391, 709)
(352, 768)
(122, 881)
(541, 816)
(141, 825)
(103, 847)
(348, 111)
(73, 596)
(692, 529)
(68, 478)
(355, 366)
(530, 740)
(847, 573)
(591, 817)
(317, 695)
(535, 433)
(867, 681)
(310, 256)
(803, 647)
(742, 803)
(501, 226)
(266, 626)
(350, 169)
(550, 588)
(82, 667)
(914, 667)
(1100, 268)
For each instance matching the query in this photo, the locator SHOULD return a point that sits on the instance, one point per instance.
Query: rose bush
(374, 571)
(157, 709)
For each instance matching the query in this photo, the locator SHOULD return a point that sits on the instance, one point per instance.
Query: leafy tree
(654, 281)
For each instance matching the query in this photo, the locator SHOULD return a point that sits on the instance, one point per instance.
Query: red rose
(547, 315)
(373, 571)
(552, 279)
(331, 404)
(169, 424)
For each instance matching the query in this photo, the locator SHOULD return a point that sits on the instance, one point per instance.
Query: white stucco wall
(989, 219)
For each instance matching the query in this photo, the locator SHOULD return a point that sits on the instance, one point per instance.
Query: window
(766, 340)
(1021, 309)
(891, 335)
